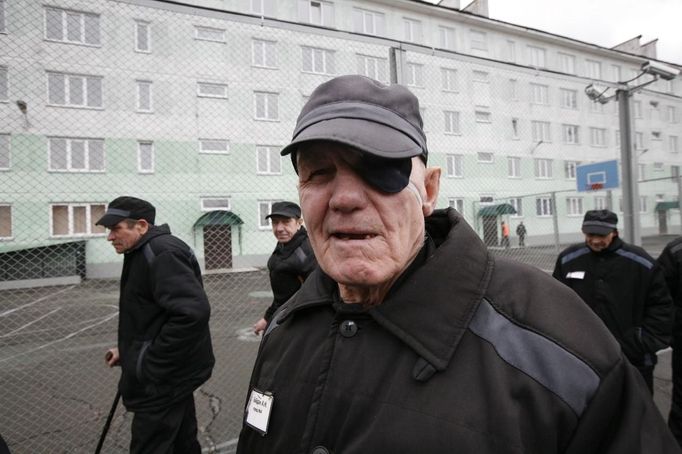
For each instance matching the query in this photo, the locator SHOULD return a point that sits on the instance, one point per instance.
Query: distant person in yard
(505, 234)
(291, 261)
(164, 345)
(521, 233)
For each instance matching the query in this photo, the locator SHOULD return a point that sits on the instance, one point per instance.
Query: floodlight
(665, 72)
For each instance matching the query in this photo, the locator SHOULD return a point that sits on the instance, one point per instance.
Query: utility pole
(628, 161)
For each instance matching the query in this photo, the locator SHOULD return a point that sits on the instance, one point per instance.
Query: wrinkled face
(361, 236)
(599, 242)
(284, 228)
(123, 237)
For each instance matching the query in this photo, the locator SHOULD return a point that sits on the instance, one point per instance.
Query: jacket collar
(286, 249)
(432, 307)
(153, 232)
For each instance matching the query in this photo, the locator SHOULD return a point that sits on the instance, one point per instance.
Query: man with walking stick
(164, 344)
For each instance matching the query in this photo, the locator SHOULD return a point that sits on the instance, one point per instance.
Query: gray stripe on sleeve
(574, 255)
(637, 258)
(548, 363)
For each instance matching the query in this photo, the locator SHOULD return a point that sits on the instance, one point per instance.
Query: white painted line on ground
(68, 336)
(220, 446)
(30, 323)
(3, 314)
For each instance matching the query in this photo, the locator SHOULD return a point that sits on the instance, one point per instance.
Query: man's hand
(111, 357)
(260, 325)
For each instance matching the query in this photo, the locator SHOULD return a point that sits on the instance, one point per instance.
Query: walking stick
(105, 429)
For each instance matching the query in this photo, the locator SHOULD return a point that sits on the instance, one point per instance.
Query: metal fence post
(628, 168)
(555, 223)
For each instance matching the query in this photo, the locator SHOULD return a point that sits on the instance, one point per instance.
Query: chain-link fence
(188, 108)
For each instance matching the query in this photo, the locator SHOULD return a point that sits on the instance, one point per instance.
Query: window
(454, 165)
(539, 94)
(143, 36)
(482, 116)
(264, 208)
(478, 40)
(641, 172)
(74, 90)
(569, 98)
(415, 75)
(515, 128)
(596, 107)
(144, 96)
(446, 38)
(536, 56)
(570, 134)
(211, 90)
(593, 69)
(145, 157)
(412, 29)
(449, 79)
(263, 7)
(541, 131)
(214, 146)
(215, 203)
(481, 88)
(658, 167)
(486, 199)
(67, 154)
(570, 169)
(567, 63)
(637, 107)
(615, 69)
(209, 34)
(5, 218)
(617, 138)
(574, 206)
(543, 206)
(457, 204)
(671, 114)
(5, 159)
(266, 106)
(373, 67)
(72, 26)
(318, 61)
(598, 137)
(599, 202)
(3, 14)
(513, 90)
(316, 12)
(517, 203)
(673, 144)
(76, 219)
(513, 167)
(369, 22)
(485, 157)
(263, 53)
(674, 172)
(451, 122)
(510, 50)
(639, 141)
(656, 135)
(642, 204)
(4, 84)
(543, 168)
(268, 160)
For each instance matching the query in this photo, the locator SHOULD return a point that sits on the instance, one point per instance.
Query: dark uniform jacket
(670, 261)
(289, 265)
(163, 336)
(625, 287)
(467, 354)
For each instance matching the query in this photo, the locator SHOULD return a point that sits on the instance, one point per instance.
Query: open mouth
(353, 236)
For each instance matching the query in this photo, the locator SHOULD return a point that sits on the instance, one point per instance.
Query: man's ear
(143, 225)
(432, 186)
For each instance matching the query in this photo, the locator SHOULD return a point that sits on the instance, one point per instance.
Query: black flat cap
(126, 207)
(285, 209)
(600, 222)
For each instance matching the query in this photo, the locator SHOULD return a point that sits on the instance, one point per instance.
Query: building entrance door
(662, 222)
(218, 246)
(490, 230)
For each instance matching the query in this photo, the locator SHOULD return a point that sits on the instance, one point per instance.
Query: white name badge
(258, 410)
(576, 275)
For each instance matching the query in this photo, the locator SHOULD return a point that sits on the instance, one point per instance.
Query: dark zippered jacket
(289, 265)
(163, 336)
(670, 261)
(626, 288)
(467, 354)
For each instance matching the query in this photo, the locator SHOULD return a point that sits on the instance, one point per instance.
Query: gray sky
(602, 22)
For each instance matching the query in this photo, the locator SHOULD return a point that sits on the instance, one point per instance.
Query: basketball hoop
(595, 186)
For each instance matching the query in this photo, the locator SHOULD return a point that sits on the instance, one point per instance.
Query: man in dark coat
(410, 337)
(291, 261)
(671, 262)
(624, 286)
(164, 344)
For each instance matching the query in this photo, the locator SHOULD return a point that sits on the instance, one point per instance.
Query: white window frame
(89, 224)
(413, 30)
(451, 120)
(569, 98)
(478, 40)
(539, 94)
(271, 152)
(673, 144)
(543, 207)
(318, 12)
(415, 75)
(513, 90)
(457, 203)
(510, 48)
(485, 157)
(599, 202)
(224, 207)
(515, 129)
(11, 222)
(4, 83)
(139, 86)
(5, 147)
(642, 203)
(203, 149)
(373, 67)
(87, 143)
(483, 116)
(537, 56)
(570, 169)
(598, 137)
(68, 86)
(65, 14)
(567, 62)
(321, 60)
(637, 109)
(543, 168)
(671, 114)
(268, 103)
(574, 206)
(147, 30)
(454, 166)
(264, 53)
(517, 203)
(593, 69)
(449, 79)
(219, 32)
(570, 134)
(3, 16)
(639, 141)
(265, 208)
(541, 131)
(513, 167)
(447, 37)
(141, 144)
(202, 93)
(372, 22)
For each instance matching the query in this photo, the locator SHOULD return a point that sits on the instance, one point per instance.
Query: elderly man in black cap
(164, 344)
(291, 261)
(410, 337)
(624, 286)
